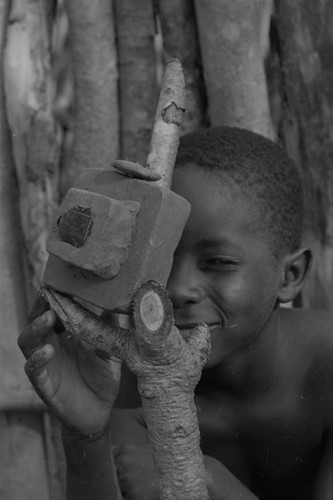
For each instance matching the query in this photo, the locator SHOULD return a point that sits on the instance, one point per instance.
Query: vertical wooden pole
(305, 44)
(233, 40)
(35, 133)
(138, 92)
(22, 452)
(94, 58)
(12, 292)
(29, 155)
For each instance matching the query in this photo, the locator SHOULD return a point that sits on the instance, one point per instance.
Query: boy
(265, 397)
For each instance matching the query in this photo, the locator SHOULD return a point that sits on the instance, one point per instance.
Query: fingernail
(49, 316)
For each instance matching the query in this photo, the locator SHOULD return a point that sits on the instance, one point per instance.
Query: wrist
(71, 436)
(90, 464)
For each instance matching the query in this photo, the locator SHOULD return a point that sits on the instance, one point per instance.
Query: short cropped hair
(263, 172)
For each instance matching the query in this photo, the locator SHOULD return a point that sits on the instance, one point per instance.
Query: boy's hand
(74, 382)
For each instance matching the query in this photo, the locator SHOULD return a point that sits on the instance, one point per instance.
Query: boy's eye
(218, 263)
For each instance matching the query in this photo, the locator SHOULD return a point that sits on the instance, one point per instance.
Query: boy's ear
(295, 269)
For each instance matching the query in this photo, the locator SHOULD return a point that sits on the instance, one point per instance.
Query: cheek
(241, 295)
(234, 291)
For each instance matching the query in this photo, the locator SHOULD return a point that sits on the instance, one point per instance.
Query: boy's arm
(135, 465)
(91, 471)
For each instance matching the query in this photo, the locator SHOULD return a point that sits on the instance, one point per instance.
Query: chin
(213, 361)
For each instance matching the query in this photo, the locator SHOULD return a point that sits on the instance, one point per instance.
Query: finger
(199, 342)
(36, 333)
(83, 324)
(39, 307)
(36, 364)
(136, 170)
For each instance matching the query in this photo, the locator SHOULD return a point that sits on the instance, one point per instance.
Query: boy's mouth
(189, 326)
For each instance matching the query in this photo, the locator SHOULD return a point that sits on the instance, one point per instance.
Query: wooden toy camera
(114, 232)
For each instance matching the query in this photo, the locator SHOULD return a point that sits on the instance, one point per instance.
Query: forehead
(219, 208)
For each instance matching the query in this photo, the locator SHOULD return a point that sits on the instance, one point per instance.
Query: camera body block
(112, 233)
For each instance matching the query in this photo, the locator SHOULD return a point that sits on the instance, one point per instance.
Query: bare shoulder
(311, 332)
(310, 327)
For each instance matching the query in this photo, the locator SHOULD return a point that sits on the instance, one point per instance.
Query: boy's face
(223, 272)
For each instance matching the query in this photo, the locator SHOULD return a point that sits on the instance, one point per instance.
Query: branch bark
(168, 369)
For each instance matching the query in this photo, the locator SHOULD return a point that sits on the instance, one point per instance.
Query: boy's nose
(184, 285)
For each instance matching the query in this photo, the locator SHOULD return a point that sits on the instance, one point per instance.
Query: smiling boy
(264, 400)
(265, 396)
